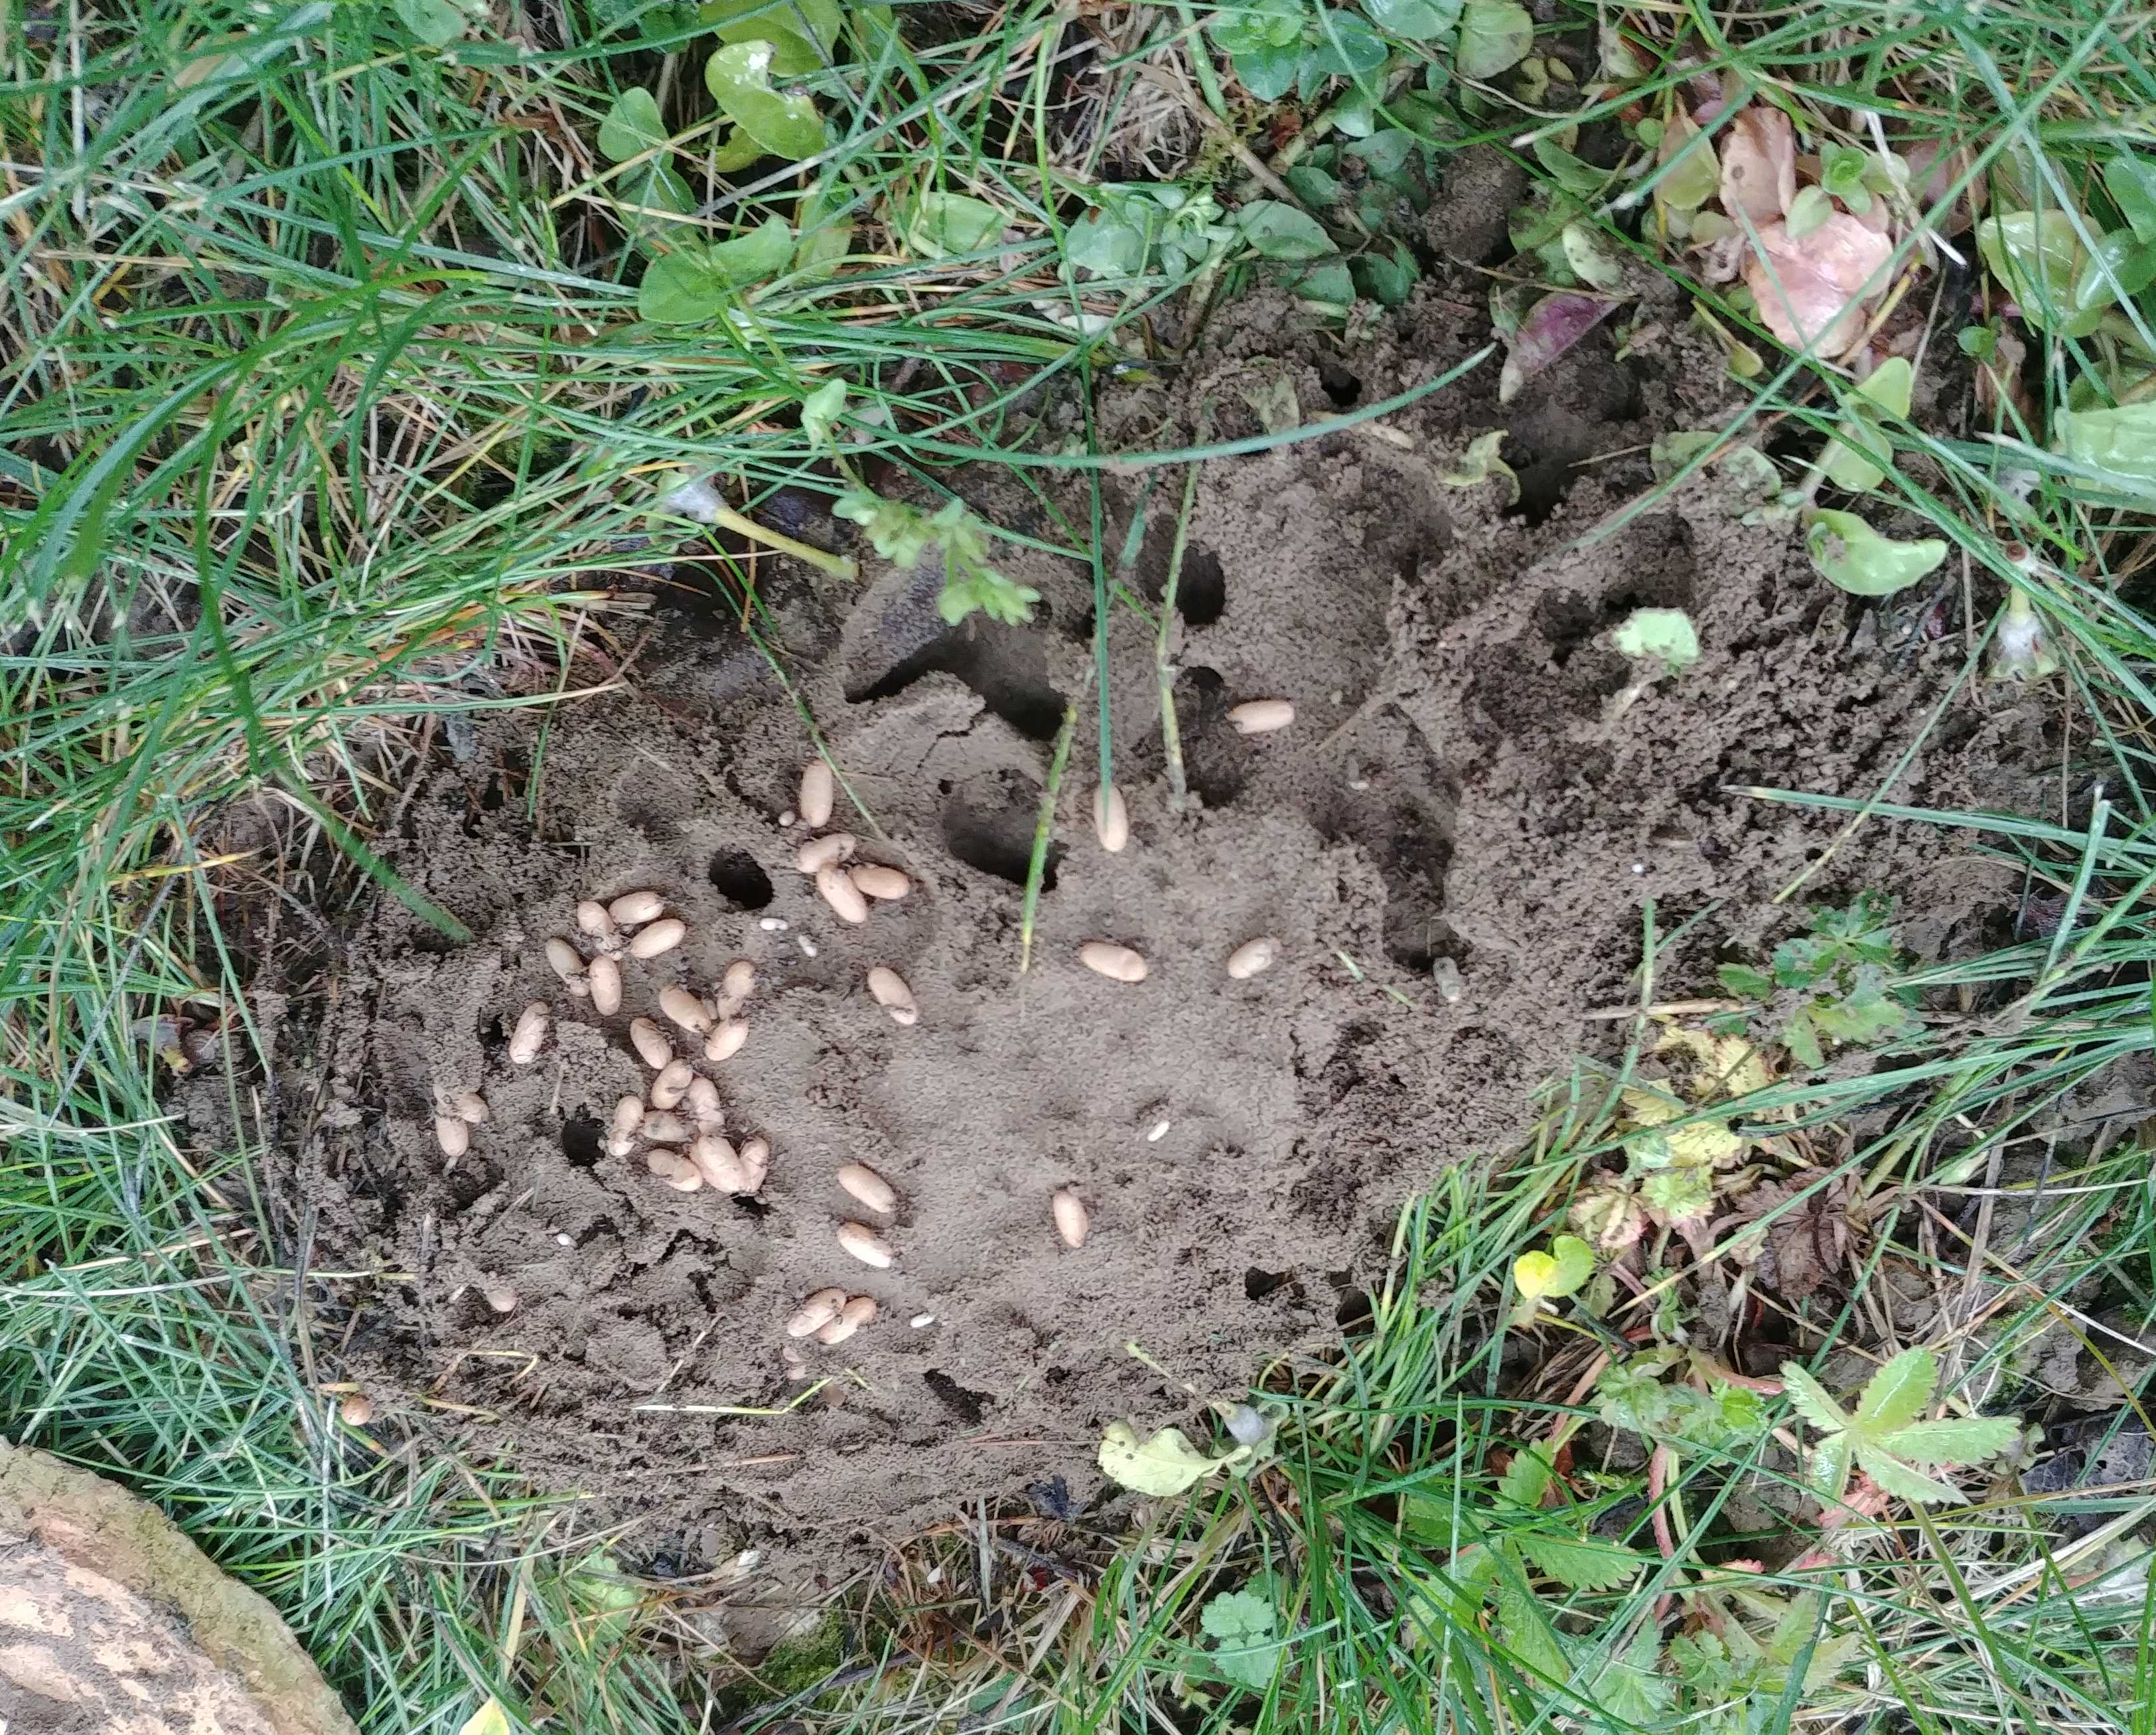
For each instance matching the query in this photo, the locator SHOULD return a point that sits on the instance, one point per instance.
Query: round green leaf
(1532, 1274)
(2119, 267)
(633, 126)
(1849, 553)
(681, 288)
(944, 225)
(2039, 257)
(739, 76)
(1665, 634)
(2120, 442)
(763, 252)
(801, 32)
(1495, 36)
(1413, 20)
(1267, 72)
(1278, 231)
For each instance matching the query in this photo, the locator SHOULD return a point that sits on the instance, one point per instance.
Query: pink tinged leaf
(1759, 165)
(1551, 326)
(1814, 292)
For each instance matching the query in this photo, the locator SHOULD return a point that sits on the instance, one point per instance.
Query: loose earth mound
(1477, 798)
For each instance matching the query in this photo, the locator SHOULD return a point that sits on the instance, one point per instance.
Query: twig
(1044, 827)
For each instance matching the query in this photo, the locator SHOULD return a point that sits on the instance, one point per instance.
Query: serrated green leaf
(1242, 1623)
(1866, 1015)
(1952, 1440)
(1811, 1400)
(1665, 634)
(784, 124)
(632, 127)
(1527, 1631)
(1495, 36)
(1803, 1041)
(1579, 1562)
(1897, 1394)
(1629, 1689)
(1745, 983)
(1527, 1478)
(1678, 1195)
(1828, 1468)
(1278, 231)
(1848, 553)
(1902, 1480)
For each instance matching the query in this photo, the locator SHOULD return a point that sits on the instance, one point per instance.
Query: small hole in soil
(1214, 759)
(469, 1183)
(494, 1034)
(996, 840)
(1354, 1309)
(1342, 386)
(739, 879)
(1006, 665)
(1258, 1283)
(968, 1406)
(581, 1142)
(751, 1207)
(491, 798)
(1201, 593)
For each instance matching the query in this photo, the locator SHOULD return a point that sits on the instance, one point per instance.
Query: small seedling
(1840, 976)
(1243, 1625)
(1883, 1437)
(1546, 1277)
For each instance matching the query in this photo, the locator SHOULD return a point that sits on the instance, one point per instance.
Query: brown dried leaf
(1815, 292)
(1759, 165)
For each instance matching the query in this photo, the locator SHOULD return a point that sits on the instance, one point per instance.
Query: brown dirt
(1460, 785)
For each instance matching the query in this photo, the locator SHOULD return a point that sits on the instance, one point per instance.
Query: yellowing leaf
(1651, 1107)
(1479, 462)
(1703, 1144)
(1164, 1463)
(1691, 175)
(490, 1719)
(1532, 1274)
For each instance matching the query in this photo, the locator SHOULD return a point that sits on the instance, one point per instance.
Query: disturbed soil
(1456, 845)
